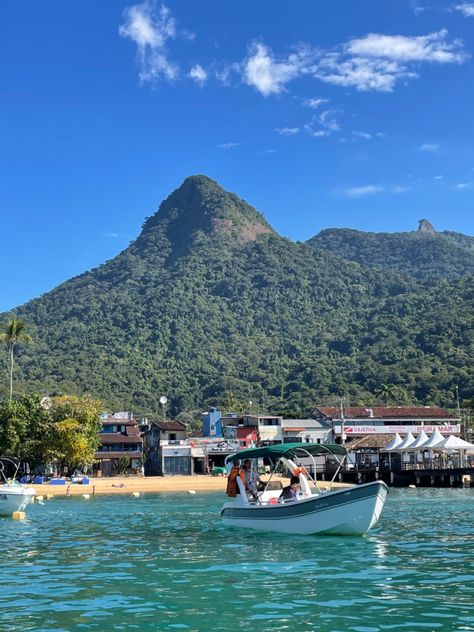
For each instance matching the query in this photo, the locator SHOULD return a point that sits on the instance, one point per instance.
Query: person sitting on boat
(290, 491)
(232, 486)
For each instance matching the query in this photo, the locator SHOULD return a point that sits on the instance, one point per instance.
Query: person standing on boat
(252, 478)
(290, 492)
(234, 474)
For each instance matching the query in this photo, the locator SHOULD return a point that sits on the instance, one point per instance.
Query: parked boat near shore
(13, 496)
(349, 511)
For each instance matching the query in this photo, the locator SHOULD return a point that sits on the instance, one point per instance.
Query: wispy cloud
(287, 131)
(150, 27)
(364, 191)
(267, 74)
(362, 135)
(397, 190)
(228, 145)
(467, 8)
(322, 124)
(373, 189)
(265, 152)
(315, 103)
(198, 74)
(464, 185)
(433, 48)
(430, 147)
(111, 235)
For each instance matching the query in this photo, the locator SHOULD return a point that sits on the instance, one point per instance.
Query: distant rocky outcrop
(426, 227)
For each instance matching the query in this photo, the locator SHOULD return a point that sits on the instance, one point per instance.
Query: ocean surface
(165, 562)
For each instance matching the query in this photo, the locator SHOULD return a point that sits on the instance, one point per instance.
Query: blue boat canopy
(275, 452)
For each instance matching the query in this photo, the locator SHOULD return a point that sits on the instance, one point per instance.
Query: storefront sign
(414, 429)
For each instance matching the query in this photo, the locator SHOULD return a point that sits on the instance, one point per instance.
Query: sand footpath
(151, 484)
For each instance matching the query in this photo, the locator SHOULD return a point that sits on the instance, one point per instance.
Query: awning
(275, 452)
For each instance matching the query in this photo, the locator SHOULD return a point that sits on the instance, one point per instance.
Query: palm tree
(13, 333)
(391, 393)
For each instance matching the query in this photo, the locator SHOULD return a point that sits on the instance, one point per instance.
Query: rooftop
(386, 412)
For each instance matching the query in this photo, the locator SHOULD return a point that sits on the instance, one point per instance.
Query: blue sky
(321, 113)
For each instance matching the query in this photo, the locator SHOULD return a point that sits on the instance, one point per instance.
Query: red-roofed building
(357, 421)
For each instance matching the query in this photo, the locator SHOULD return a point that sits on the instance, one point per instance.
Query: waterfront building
(121, 445)
(212, 423)
(351, 422)
(307, 431)
(167, 450)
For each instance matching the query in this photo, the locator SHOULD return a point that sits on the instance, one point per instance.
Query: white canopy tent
(393, 445)
(406, 443)
(455, 443)
(434, 440)
(420, 441)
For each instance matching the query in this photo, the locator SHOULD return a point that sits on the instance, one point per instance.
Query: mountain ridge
(192, 310)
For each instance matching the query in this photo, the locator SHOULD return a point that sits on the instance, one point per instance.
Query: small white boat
(13, 495)
(342, 511)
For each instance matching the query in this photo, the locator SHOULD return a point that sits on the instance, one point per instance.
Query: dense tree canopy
(209, 300)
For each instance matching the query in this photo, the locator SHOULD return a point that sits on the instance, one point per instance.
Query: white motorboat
(349, 510)
(13, 495)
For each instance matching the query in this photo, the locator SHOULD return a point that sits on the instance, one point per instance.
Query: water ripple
(165, 562)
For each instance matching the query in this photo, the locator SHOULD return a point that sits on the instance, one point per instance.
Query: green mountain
(210, 299)
(419, 255)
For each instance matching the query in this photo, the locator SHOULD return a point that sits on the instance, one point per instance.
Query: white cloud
(322, 124)
(111, 235)
(467, 8)
(287, 131)
(315, 103)
(463, 185)
(397, 190)
(265, 152)
(362, 73)
(267, 75)
(228, 145)
(150, 28)
(433, 47)
(438, 177)
(364, 191)
(378, 62)
(362, 135)
(429, 147)
(198, 74)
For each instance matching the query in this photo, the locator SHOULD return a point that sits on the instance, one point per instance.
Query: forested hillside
(418, 255)
(209, 299)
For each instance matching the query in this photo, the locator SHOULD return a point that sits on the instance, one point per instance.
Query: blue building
(212, 423)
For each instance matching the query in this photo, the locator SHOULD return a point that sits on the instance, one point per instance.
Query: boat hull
(14, 498)
(348, 511)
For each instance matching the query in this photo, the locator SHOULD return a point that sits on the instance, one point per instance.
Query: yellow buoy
(39, 498)
(49, 496)
(86, 496)
(18, 515)
(135, 494)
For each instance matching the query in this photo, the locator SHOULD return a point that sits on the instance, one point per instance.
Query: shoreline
(143, 485)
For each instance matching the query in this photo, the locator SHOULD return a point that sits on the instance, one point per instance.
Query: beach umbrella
(393, 445)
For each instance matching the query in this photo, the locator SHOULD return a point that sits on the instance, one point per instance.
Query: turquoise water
(165, 562)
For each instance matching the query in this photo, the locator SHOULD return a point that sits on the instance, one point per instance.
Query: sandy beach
(152, 484)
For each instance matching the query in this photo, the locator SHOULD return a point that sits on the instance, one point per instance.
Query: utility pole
(343, 434)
